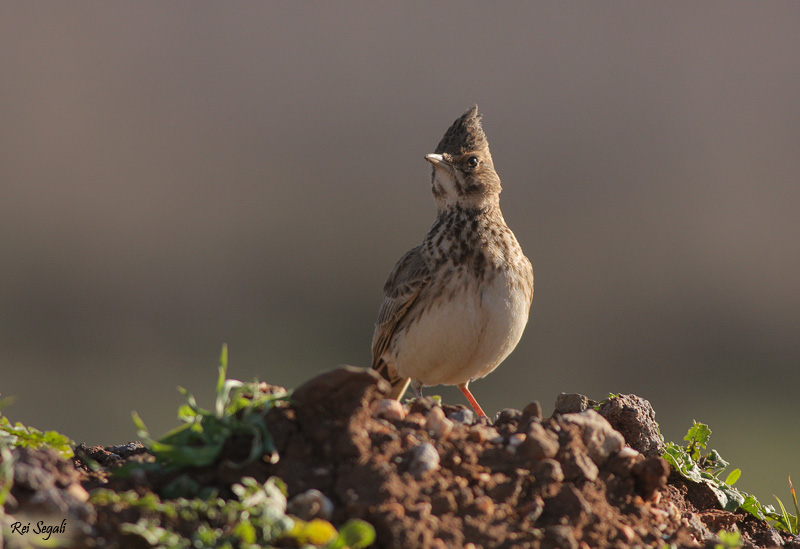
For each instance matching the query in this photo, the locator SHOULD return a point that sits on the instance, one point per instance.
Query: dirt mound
(434, 475)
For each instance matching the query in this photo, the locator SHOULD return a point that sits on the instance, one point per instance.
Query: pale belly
(464, 337)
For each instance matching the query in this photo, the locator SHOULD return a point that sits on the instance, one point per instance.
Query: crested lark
(455, 306)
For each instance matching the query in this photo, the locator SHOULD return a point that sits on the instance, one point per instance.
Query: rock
(515, 440)
(539, 444)
(507, 415)
(483, 505)
(599, 436)
(559, 537)
(579, 467)
(481, 433)
(439, 427)
(467, 417)
(548, 471)
(571, 403)
(388, 408)
(311, 504)
(424, 458)
(635, 418)
(531, 412)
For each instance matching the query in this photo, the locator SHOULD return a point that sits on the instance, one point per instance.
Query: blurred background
(175, 176)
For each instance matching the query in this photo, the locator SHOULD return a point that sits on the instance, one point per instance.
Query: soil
(427, 474)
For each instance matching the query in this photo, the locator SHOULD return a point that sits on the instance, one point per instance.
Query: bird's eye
(472, 162)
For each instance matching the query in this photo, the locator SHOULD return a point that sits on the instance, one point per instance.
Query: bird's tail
(399, 384)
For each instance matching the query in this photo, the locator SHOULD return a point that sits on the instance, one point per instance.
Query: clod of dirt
(530, 481)
(635, 418)
(572, 403)
(430, 475)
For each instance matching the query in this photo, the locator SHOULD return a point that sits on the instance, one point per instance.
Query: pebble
(390, 409)
(539, 443)
(548, 470)
(482, 433)
(531, 412)
(628, 533)
(78, 492)
(507, 415)
(311, 504)
(416, 420)
(467, 417)
(599, 436)
(628, 453)
(559, 536)
(484, 505)
(569, 403)
(439, 426)
(395, 509)
(424, 458)
(515, 440)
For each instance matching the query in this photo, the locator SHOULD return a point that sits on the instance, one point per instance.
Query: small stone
(482, 433)
(627, 533)
(531, 412)
(439, 426)
(483, 505)
(311, 504)
(422, 509)
(507, 415)
(580, 467)
(390, 409)
(78, 492)
(559, 537)
(515, 440)
(599, 437)
(534, 508)
(467, 417)
(416, 420)
(570, 403)
(483, 478)
(443, 503)
(395, 509)
(424, 458)
(548, 470)
(539, 443)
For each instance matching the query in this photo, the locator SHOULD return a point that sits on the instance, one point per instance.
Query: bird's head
(463, 172)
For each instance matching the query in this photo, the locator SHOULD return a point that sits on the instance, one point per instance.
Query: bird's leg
(471, 399)
(417, 386)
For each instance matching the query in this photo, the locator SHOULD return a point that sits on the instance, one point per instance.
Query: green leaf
(223, 374)
(356, 534)
(697, 437)
(246, 532)
(733, 476)
(754, 507)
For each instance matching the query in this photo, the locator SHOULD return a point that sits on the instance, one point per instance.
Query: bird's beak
(438, 161)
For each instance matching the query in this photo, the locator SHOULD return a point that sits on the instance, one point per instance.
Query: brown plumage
(456, 305)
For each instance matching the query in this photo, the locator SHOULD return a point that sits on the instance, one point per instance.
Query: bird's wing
(407, 280)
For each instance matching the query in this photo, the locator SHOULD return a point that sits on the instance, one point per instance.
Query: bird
(455, 306)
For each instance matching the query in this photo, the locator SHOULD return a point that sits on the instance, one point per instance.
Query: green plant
(729, 540)
(239, 410)
(20, 436)
(693, 464)
(785, 521)
(255, 518)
